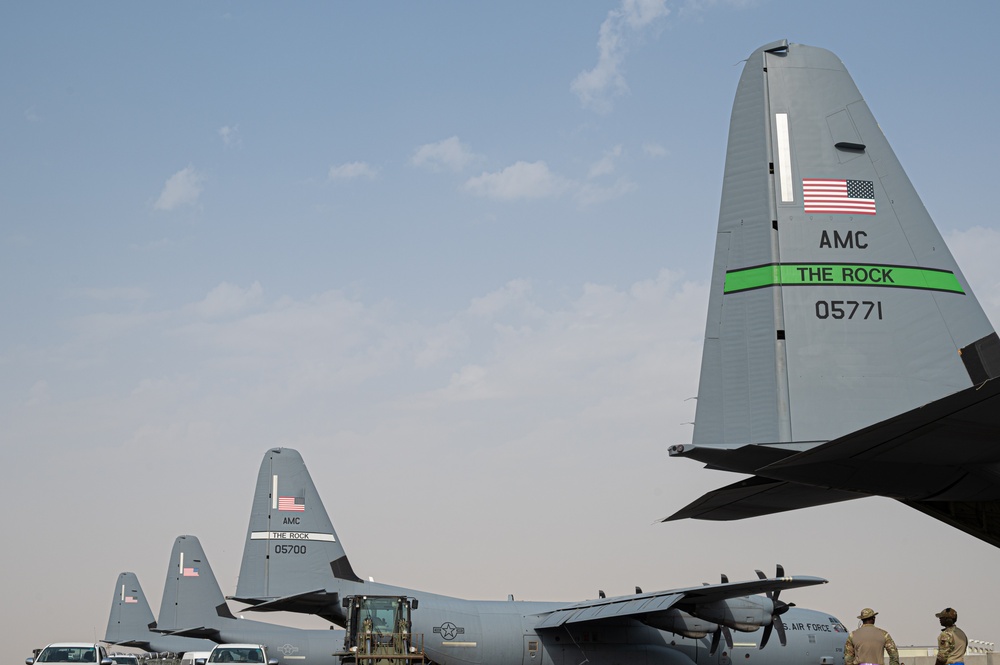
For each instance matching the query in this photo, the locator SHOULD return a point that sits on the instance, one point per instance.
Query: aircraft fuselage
(467, 632)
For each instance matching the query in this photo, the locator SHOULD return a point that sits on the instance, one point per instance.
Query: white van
(189, 656)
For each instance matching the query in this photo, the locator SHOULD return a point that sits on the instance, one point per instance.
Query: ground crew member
(952, 641)
(865, 646)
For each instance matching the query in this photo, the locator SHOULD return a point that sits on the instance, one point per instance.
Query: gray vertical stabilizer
(131, 616)
(191, 593)
(291, 546)
(834, 303)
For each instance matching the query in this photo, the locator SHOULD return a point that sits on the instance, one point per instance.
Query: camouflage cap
(947, 613)
(867, 613)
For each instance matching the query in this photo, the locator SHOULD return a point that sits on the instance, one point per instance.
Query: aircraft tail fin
(191, 593)
(291, 545)
(835, 302)
(131, 618)
(839, 322)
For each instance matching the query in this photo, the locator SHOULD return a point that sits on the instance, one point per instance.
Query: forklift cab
(380, 626)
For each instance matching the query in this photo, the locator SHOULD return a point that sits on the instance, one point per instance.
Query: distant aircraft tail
(291, 546)
(131, 617)
(835, 307)
(192, 603)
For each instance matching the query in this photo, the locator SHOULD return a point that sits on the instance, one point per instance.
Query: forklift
(379, 632)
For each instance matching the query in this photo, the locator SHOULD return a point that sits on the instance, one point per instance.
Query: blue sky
(471, 239)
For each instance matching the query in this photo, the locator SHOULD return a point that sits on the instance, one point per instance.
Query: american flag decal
(292, 503)
(838, 196)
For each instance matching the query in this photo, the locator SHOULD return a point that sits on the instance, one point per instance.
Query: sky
(457, 254)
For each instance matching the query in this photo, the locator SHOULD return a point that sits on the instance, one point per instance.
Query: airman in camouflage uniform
(867, 644)
(952, 641)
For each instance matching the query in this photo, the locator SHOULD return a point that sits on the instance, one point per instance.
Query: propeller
(779, 609)
(721, 631)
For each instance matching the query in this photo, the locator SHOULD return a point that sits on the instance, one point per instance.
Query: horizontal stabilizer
(320, 602)
(201, 632)
(145, 645)
(915, 455)
(976, 518)
(741, 459)
(758, 496)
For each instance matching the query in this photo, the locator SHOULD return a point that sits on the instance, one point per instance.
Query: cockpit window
(837, 626)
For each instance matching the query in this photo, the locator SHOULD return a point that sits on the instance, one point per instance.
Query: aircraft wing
(758, 496)
(639, 605)
(319, 602)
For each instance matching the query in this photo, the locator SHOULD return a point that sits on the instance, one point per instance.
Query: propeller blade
(767, 634)
(779, 571)
(716, 638)
(728, 634)
(779, 627)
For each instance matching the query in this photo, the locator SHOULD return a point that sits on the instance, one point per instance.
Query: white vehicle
(124, 659)
(190, 657)
(72, 652)
(243, 654)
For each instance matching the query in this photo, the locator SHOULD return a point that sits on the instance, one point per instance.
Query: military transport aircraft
(293, 561)
(845, 354)
(193, 609)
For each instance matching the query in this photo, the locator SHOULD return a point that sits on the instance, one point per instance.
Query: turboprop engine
(743, 614)
(680, 622)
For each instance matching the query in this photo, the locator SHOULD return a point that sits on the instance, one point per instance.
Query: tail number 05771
(849, 309)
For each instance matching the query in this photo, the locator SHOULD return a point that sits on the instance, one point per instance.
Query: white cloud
(521, 180)
(450, 154)
(351, 170)
(227, 299)
(605, 336)
(524, 181)
(590, 194)
(606, 164)
(654, 150)
(182, 188)
(596, 87)
(230, 135)
(514, 293)
(440, 343)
